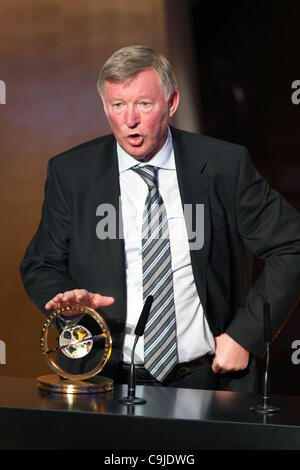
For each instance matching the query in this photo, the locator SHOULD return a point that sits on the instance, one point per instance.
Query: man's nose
(132, 117)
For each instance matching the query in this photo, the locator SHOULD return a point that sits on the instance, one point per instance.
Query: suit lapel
(106, 190)
(194, 186)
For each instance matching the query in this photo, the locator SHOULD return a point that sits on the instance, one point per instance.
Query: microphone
(266, 407)
(141, 324)
(131, 399)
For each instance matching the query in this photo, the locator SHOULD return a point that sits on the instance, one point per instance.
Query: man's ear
(173, 102)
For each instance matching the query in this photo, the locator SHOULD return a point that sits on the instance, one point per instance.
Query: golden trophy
(77, 348)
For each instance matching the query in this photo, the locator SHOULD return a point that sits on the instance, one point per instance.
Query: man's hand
(229, 355)
(81, 297)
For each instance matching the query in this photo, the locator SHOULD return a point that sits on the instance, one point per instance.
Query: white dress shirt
(194, 337)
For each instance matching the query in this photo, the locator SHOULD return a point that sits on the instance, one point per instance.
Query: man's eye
(117, 105)
(145, 104)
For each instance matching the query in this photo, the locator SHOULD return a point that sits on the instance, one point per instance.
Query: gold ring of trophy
(76, 349)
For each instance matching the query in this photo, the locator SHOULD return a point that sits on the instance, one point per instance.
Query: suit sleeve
(270, 228)
(44, 269)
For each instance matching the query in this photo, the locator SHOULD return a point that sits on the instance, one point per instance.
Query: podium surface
(172, 418)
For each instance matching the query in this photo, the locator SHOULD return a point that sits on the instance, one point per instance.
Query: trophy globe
(76, 348)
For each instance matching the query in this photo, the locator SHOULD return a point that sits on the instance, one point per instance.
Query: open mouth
(135, 139)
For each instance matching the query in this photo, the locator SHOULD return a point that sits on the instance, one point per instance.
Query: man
(214, 320)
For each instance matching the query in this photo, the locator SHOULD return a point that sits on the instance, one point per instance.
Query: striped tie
(160, 351)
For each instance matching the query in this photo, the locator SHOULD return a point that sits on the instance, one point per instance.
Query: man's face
(138, 113)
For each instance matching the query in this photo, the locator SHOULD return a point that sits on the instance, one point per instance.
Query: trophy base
(55, 383)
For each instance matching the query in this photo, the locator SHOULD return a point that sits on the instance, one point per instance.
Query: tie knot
(148, 173)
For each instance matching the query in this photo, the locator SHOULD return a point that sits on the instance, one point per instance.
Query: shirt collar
(163, 159)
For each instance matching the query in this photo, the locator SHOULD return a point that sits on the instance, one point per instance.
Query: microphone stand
(131, 399)
(266, 407)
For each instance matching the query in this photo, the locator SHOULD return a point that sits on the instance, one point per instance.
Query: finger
(91, 300)
(216, 367)
(54, 303)
(50, 305)
(75, 296)
(97, 300)
(60, 300)
(219, 368)
(82, 295)
(68, 296)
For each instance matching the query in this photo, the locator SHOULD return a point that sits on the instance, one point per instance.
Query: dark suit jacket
(243, 216)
